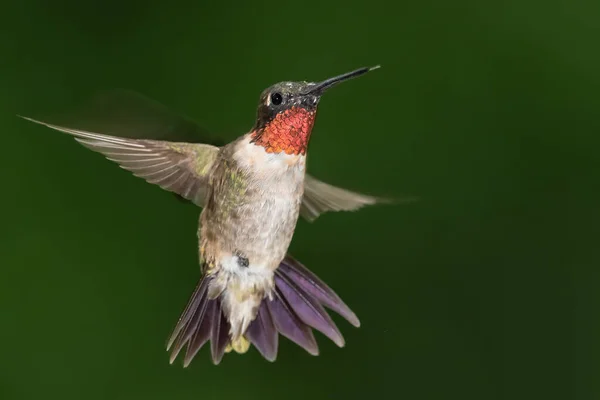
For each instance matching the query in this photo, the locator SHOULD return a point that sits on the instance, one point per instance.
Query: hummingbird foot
(239, 345)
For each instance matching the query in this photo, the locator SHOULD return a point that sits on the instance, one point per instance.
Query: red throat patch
(288, 132)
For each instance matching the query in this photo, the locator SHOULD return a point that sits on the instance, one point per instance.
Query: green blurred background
(484, 289)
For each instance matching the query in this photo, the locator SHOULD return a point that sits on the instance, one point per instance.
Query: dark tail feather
(202, 319)
(189, 320)
(220, 334)
(263, 334)
(202, 334)
(315, 287)
(308, 309)
(296, 307)
(289, 325)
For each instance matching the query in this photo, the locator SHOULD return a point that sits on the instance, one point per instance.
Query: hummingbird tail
(202, 320)
(297, 305)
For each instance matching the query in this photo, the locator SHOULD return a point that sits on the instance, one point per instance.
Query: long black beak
(326, 84)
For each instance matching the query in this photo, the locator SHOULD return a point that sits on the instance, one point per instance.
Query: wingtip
(33, 120)
(375, 67)
(405, 200)
(397, 200)
(24, 117)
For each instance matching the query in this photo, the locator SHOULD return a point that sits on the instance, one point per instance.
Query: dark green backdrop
(484, 289)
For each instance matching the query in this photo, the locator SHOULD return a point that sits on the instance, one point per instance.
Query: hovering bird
(252, 192)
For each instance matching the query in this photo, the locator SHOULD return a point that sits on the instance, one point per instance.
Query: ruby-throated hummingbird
(252, 192)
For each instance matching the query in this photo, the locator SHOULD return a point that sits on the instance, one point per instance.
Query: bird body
(252, 191)
(247, 225)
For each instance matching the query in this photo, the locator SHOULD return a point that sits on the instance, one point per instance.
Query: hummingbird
(252, 192)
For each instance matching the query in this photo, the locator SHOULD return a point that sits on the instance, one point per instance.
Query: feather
(314, 286)
(320, 197)
(189, 320)
(289, 325)
(308, 309)
(202, 334)
(178, 167)
(262, 333)
(220, 334)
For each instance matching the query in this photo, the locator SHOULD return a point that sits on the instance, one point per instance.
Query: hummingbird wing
(128, 114)
(178, 167)
(320, 197)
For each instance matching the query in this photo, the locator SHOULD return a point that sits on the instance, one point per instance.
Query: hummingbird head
(287, 111)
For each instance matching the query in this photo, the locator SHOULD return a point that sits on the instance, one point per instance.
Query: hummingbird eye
(276, 98)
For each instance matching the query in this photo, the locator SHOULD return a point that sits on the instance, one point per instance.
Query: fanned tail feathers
(296, 308)
(201, 320)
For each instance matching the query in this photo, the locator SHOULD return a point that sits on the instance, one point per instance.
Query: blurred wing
(182, 168)
(320, 197)
(125, 113)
